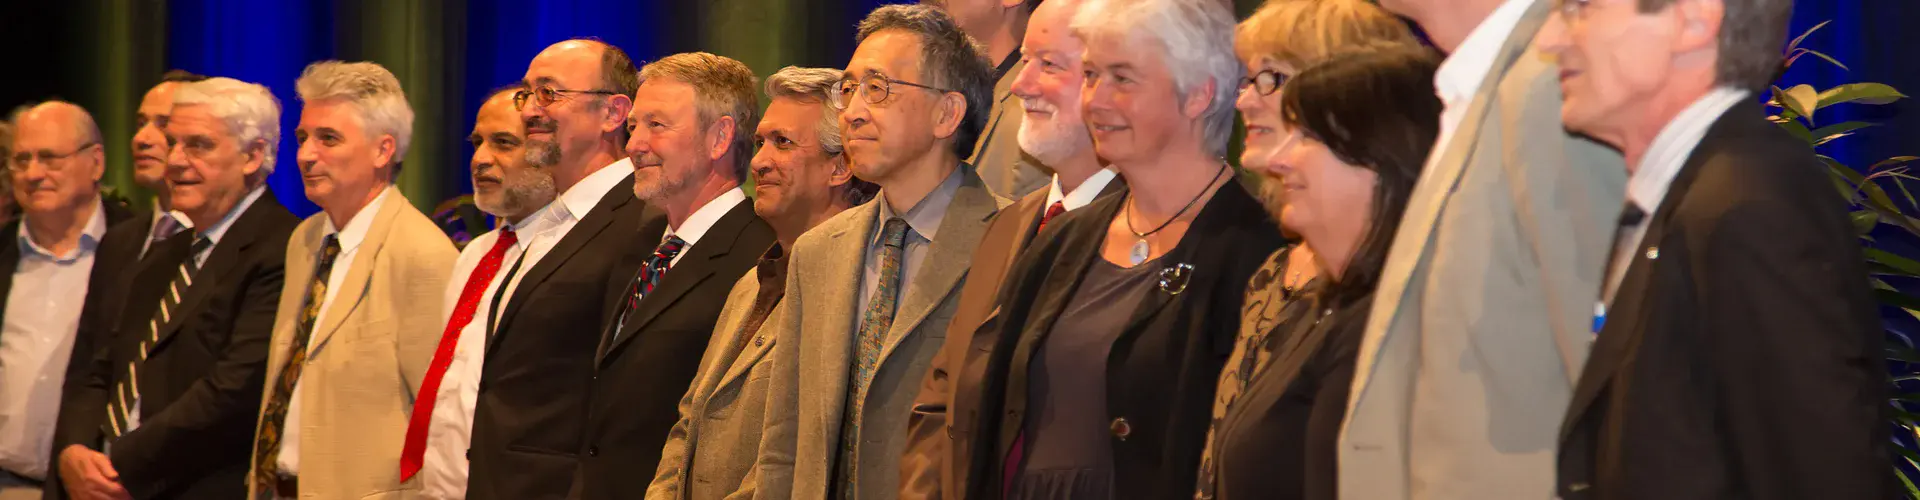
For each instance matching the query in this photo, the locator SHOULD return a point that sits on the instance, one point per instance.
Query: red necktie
(1052, 211)
(415, 450)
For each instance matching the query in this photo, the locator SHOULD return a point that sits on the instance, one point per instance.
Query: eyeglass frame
(1573, 10)
(1253, 82)
(16, 165)
(520, 97)
(836, 95)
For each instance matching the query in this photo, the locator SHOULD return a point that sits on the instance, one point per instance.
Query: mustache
(539, 122)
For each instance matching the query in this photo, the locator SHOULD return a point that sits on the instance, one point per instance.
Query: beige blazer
(1006, 170)
(1483, 311)
(807, 393)
(369, 351)
(710, 452)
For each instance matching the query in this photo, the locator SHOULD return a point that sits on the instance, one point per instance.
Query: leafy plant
(1870, 191)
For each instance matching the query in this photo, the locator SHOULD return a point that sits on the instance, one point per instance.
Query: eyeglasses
(877, 87)
(22, 160)
(1266, 82)
(546, 95)
(1571, 10)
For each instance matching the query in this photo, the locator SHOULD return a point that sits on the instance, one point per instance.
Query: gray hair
(950, 60)
(371, 89)
(1195, 40)
(811, 85)
(250, 111)
(1751, 34)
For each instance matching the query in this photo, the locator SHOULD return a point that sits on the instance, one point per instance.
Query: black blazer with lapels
(1166, 363)
(1742, 355)
(641, 373)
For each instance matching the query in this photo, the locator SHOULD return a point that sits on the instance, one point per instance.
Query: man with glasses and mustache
(48, 261)
(871, 291)
(520, 195)
(1048, 83)
(542, 340)
(150, 156)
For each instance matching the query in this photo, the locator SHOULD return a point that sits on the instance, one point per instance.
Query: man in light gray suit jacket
(871, 291)
(802, 179)
(1483, 315)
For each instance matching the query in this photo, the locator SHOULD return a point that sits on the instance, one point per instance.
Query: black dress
(1278, 442)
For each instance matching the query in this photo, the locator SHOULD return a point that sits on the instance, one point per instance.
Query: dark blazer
(200, 385)
(527, 420)
(640, 374)
(944, 411)
(1164, 367)
(1742, 355)
(1279, 439)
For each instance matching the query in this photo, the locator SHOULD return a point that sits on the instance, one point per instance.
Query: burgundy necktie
(1052, 211)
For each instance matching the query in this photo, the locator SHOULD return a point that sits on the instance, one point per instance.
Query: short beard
(665, 186)
(1053, 141)
(543, 154)
(520, 197)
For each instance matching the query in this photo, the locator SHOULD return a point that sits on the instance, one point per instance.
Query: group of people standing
(1564, 255)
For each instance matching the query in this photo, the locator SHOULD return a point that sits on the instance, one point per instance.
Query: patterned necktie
(649, 277)
(266, 444)
(164, 228)
(413, 451)
(1053, 210)
(867, 346)
(126, 392)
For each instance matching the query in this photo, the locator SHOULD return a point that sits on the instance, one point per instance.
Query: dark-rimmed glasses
(21, 160)
(876, 87)
(546, 95)
(1266, 82)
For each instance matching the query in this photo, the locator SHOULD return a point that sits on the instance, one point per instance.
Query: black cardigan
(1162, 371)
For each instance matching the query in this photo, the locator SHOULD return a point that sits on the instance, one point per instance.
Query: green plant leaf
(1864, 93)
(1897, 160)
(1798, 131)
(1822, 141)
(1896, 261)
(1897, 299)
(1803, 36)
(1830, 59)
(1829, 131)
(1864, 221)
(1802, 100)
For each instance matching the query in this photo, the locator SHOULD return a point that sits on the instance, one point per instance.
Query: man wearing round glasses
(545, 324)
(55, 170)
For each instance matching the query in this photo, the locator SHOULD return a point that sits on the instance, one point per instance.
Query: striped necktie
(126, 393)
(649, 277)
(266, 443)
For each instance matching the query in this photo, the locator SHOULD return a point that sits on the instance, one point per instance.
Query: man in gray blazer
(874, 288)
(801, 179)
(1481, 321)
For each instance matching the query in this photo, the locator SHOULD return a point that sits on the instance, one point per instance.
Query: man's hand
(89, 475)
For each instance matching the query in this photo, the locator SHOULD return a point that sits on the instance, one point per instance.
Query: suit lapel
(221, 260)
(695, 268)
(943, 268)
(353, 289)
(751, 353)
(583, 232)
(1410, 250)
(838, 277)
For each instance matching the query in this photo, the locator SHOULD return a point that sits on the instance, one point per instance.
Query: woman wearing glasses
(1275, 43)
(1115, 324)
(1358, 128)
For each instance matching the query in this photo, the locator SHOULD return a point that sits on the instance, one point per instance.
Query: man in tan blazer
(356, 322)
(801, 180)
(1054, 133)
(1481, 321)
(872, 290)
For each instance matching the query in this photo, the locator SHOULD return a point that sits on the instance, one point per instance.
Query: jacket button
(759, 341)
(1121, 429)
(593, 451)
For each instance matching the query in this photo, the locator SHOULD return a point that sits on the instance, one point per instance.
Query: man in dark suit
(1738, 350)
(526, 421)
(150, 157)
(1054, 133)
(169, 401)
(49, 253)
(689, 165)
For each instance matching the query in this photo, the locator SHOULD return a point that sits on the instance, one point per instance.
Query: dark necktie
(649, 277)
(126, 393)
(874, 325)
(413, 450)
(1053, 210)
(266, 444)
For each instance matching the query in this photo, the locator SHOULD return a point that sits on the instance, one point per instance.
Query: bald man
(54, 165)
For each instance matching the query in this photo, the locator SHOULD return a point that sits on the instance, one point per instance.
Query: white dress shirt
(1463, 72)
(41, 318)
(1647, 187)
(350, 239)
(443, 469)
(1082, 195)
(701, 220)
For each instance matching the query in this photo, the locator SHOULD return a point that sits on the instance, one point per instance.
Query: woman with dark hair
(1358, 129)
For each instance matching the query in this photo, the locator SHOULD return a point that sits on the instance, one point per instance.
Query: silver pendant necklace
(1141, 249)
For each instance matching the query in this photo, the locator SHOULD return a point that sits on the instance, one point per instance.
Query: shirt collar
(1465, 70)
(584, 195)
(357, 227)
(1082, 195)
(89, 236)
(772, 263)
(701, 220)
(1676, 141)
(924, 217)
(219, 228)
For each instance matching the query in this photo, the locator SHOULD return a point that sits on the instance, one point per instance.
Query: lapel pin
(1653, 253)
(1173, 280)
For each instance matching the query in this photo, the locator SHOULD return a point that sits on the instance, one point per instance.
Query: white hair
(250, 111)
(371, 89)
(1195, 40)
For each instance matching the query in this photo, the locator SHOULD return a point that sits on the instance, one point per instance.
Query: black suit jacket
(200, 385)
(1164, 367)
(1741, 358)
(527, 422)
(642, 373)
